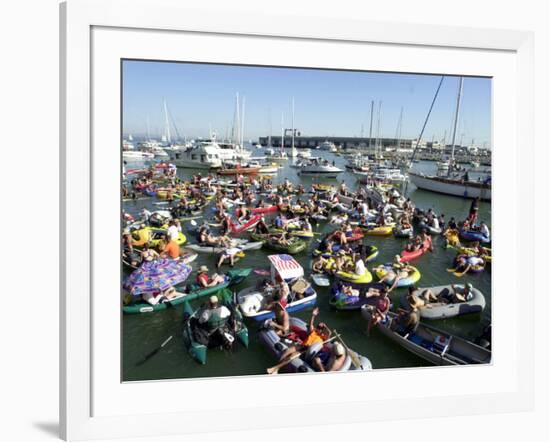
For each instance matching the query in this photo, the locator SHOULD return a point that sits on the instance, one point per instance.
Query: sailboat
(452, 185)
(293, 151)
(281, 154)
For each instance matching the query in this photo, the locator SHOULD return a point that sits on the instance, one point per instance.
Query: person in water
(205, 281)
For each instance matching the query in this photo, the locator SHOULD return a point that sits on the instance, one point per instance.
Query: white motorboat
(137, 155)
(203, 155)
(328, 145)
(306, 153)
(320, 168)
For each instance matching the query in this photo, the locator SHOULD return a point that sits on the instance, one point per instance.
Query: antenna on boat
(242, 125)
(167, 124)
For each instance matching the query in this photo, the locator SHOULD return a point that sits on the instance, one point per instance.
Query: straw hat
(213, 299)
(203, 269)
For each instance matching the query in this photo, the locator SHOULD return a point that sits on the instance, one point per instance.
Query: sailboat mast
(282, 133)
(293, 125)
(455, 124)
(371, 116)
(242, 124)
(167, 124)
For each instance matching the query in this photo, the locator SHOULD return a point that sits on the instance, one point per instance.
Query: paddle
(354, 359)
(154, 352)
(275, 369)
(460, 275)
(451, 270)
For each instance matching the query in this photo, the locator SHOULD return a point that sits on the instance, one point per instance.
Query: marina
(253, 254)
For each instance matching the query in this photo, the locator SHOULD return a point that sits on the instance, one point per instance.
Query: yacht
(203, 155)
(318, 167)
(328, 145)
(306, 153)
(136, 155)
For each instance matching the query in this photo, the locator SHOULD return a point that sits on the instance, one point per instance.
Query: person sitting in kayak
(148, 254)
(332, 360)
(205, 281)
(207, 239)
(316, 334)
(283, 239)
(414, 244)
(319, 264)
(380, 309)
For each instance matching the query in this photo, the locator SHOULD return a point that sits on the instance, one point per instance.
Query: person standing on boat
(474, 207)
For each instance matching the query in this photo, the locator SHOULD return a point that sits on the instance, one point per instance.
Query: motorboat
(320, 168)
(328, 145)
(203, 155)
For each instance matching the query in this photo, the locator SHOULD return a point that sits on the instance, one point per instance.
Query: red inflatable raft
(409, 256)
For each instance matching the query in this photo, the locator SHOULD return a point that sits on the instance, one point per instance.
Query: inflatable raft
(448, 309)
(413, 276)
(277, 345)
(242, 244)
(342, 302)
(474, 235)
(407, 256)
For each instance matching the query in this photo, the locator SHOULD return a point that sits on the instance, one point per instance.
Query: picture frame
(89, 405)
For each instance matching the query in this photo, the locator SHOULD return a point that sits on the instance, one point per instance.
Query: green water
(144, 332)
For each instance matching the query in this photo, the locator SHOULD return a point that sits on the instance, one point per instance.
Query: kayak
(365, 278)
(242, 244)
(377, 230)
(155, 235)
(236, 229)
(296, 245)
(442, 310)
(409, 256)
(413, 276)
(222, 334)
(432, 344)
(261, 210)
(343, 302)
(474, 235)
(232, 277)
(303, 364)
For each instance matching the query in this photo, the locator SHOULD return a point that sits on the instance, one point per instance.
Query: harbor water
(143, 333)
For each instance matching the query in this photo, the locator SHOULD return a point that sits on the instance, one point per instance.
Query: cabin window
(177, 156)
(203, 158)
(193, 156)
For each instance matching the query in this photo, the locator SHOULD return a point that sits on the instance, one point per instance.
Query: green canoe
(217, 336)
(296, 245)
(232, 277)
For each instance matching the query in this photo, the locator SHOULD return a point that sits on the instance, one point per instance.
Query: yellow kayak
(365, 278)
(378, 231)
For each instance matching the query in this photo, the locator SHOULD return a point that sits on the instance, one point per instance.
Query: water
(145, 332)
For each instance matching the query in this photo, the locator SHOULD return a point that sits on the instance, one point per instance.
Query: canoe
(242, 244)
(232, 277)
(342, 302)
(277, 345)
(253, 301)
(474, 235)
(441, 310)
(409, 256)
(433, 345)
(352, 277)
(412, 278)
(198, 340)
(296, 245)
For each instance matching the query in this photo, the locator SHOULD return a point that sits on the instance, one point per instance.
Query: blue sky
(327, 102)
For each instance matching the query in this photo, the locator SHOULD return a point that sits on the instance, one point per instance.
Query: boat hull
(447, 187)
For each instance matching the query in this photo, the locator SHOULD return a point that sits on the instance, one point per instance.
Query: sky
(201, 97)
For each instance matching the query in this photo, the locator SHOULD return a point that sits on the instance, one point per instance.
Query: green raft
(221, 335)
(232, 277)
(296, 245)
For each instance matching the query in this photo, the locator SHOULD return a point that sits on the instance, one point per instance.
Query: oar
(154, 352)
(460, 275)
(352, 354)
(451, 270)
(275, 369)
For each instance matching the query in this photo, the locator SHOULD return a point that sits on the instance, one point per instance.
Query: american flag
(284, 263)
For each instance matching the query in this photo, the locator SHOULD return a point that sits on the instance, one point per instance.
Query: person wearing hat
(213, 314)
(205, 281)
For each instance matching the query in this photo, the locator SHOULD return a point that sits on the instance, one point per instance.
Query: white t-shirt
(173, 233)
(484, 230)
